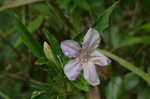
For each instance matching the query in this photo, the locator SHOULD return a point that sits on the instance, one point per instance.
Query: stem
(21, 78)
(94, 93)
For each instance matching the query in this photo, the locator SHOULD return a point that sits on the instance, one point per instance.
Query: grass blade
(134, 40)
(103, 20)
(18, 3)
(128, 65)
(28, 38)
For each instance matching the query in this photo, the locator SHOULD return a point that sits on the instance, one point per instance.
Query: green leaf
(40, 95)
(18, 3)
(40, 86)
(28, 38)
(134, 40)
(103, 20)
(112, 37)
(4, 95)
(115, 89)
(145, 26)
(54, 43)
(128, 65)
(41, 61)
(79, 36)
(44, 10)
(81, 84)
(131, 81)
(35, 24)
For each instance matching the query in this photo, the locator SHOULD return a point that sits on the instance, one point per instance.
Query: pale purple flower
(85, 57)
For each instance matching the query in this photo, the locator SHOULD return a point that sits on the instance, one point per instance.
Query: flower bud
(48, 52)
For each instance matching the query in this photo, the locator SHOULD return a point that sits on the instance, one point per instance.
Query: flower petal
(70, 48)
(91, 39)
(99, 59)
(72, 69)
(90, 74)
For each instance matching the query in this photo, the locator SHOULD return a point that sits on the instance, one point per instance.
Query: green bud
(48, 52)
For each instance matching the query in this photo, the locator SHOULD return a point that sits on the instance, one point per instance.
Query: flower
(85, 57)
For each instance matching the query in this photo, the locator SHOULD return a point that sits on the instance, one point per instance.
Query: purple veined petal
(91, 39)
(72, 69)
(99, 59)
(70, 48)
(90, 74)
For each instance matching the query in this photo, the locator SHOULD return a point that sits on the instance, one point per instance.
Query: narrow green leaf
(28, 38)
(18, 3)
(131, 81)
(134, 40)
(128, 65)
(80, 36)
(112, 37)
(4, 95)
(40, 95)
(81, 84)
(32, 27)
(41, 61)
(40, 86)
(115, 88)
(54, 43)
(103, 20)
(145, 26)
(43, 9)
(35, 24)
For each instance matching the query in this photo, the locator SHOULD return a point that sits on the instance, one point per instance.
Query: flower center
(84, 56)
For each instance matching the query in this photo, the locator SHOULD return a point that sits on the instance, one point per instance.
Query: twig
(22, 78)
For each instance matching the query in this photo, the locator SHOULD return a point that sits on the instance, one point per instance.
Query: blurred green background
(25, 71)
